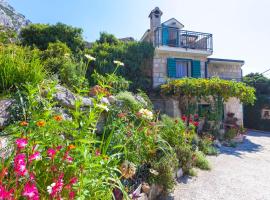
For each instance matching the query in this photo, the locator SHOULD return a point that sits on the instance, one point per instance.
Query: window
(182, 69)
(265, 113)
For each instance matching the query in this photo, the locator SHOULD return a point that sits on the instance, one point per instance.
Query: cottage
(180, 53)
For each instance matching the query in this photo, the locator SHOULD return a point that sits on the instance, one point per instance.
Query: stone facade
(160, 64)
(167, 106)
(226, 71)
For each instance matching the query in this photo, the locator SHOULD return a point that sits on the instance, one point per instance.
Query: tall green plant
(19, 65)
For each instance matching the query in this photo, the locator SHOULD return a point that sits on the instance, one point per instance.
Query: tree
(40, 35)
(258, 81)
(137, 57)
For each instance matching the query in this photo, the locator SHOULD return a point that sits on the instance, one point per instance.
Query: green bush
(206, 146)
(72, 74)
(184, 155)
(172, 130)
(137, 56)
(41, 35)
(56, 56)
(112, 82)
(166, 167)
(129, 100)
(230, 134)
(18, 66)
(201, 161)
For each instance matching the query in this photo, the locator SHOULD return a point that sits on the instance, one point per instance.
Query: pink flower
(51, 153)
(21, 143)
(32, 176)
(5, 194)
(55, 188)
(20, 164)
(30, 190)
(35, 156)
(68, 158)
(97, 152)
(196, 116)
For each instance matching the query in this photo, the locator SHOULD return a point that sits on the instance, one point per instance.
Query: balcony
(174, 37)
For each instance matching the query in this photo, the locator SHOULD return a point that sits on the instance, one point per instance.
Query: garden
(79, 123)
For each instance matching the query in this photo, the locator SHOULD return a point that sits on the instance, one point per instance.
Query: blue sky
(240, 27)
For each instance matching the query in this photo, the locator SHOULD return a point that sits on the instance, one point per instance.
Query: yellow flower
(58, 118)
(71, 146)
(41, 123)
(24, 123)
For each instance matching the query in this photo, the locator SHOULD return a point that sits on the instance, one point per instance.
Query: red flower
(71, 195)
(184, 118)
(122, 115)
(196, 124)
(58, 148)
(73, 180)
(196, 116)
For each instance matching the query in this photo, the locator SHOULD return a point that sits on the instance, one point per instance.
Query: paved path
(241, 173)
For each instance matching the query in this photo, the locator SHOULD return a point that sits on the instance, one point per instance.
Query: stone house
(180, 53)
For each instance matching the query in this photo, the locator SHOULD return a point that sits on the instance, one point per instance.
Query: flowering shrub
(59, 157)
(56, 158)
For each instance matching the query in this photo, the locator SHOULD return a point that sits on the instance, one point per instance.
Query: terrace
(174, 37)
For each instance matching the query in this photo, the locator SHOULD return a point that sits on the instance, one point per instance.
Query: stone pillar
(233, 105)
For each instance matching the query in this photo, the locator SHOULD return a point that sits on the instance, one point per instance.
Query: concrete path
(241, 173)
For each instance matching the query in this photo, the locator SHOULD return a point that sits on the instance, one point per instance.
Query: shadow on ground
(247, 146)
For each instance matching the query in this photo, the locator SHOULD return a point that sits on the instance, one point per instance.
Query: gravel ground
(241, 173)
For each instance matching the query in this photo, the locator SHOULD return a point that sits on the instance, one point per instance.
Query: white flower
(103, 107)
(147, 114)
(89, 57)
(105, 101)
(49, 188)
(117, 62)
(152, 171)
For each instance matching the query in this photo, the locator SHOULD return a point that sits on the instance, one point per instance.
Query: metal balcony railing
(173, 37)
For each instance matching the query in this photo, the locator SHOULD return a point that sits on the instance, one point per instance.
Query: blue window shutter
(165, 35)
(171, 67)
(196, 69)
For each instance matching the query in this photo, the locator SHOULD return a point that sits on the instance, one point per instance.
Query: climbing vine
(215, 90)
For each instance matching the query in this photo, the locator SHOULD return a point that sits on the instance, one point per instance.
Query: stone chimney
(155, 21)
(155, 18)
